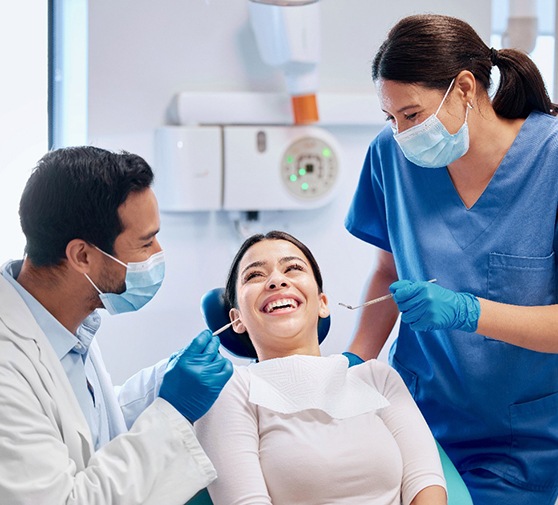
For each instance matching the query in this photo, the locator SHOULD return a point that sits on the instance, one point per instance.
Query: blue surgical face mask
(430, 145)
(143, 280)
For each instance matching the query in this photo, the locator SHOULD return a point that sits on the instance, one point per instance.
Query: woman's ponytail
(521, 88)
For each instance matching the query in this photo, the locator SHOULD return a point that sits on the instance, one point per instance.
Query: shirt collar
(59, 337)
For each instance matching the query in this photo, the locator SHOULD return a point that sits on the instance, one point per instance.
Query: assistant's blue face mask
(143, 280)
(430, 145)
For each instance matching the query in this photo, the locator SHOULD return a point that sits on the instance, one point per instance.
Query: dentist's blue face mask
(143, 280)
(430, 145)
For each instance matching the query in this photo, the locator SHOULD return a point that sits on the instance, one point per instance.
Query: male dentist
(91, 220)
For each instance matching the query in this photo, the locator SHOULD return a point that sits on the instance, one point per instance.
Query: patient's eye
(252, 274)
(295, 266)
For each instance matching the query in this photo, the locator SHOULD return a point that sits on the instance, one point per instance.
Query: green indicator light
(289, 159)
(301, 171)
(293, 178)
(326, 153)
(304, 186)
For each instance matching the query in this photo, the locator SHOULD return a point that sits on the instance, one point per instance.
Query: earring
(470, 105)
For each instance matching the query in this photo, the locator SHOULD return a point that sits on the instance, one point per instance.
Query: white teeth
(284, 302)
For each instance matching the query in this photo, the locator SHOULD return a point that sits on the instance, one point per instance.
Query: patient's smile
(283, 304)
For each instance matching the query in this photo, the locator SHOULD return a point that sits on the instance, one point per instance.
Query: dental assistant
(463, 188)
(90, 220)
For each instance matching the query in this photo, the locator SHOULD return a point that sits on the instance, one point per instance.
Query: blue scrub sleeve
(555, 248)
(366, 218)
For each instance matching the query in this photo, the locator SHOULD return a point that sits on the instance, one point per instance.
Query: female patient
(300, 428)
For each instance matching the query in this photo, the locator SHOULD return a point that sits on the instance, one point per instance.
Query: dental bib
(297, 383)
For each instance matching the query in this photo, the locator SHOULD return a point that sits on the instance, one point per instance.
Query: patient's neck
(312, 349)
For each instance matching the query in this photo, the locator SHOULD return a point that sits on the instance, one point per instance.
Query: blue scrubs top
(491, 405)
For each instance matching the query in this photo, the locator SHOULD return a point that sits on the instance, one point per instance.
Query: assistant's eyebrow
(403, 109)
(150, 235)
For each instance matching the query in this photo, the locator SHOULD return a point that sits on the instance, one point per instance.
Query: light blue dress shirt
(73, 352)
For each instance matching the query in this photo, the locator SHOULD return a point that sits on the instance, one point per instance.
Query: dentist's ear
(237, 326)
(78, 255)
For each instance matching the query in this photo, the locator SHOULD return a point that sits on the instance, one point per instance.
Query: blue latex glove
(353, 358)
(195, 376)
(426, 306)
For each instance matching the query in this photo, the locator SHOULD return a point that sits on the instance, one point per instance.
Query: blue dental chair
(216, 316)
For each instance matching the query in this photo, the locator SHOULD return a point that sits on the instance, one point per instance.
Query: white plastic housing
(242, 107)
(288, 37)
(188, 168)
(279, 168)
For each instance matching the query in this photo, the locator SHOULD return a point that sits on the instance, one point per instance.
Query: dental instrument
(375, 300)
(223, 328)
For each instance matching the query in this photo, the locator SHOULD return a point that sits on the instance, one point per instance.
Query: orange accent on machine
(305, 109)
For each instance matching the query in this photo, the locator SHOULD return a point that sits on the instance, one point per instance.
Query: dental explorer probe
(375, 300)
(223, 328)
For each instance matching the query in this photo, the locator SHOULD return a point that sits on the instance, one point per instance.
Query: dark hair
(230, 288)
(75, 192)
(431, 50)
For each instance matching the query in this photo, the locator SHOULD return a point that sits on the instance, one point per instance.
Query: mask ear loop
(112, 257)
(445, 96)
(92, 283)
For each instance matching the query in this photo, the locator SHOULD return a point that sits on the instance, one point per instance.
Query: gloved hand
(354, 359)
(195, 376)
(426, 306)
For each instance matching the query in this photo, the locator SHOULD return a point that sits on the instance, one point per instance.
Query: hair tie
(494, 56)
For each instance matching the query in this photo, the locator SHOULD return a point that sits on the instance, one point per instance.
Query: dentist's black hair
(230, 287)
(75, 192)
(430, 50)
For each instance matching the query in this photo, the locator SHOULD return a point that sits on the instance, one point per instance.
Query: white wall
(23, 110)
(141, 53)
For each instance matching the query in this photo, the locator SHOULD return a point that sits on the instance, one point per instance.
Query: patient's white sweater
(310, 430)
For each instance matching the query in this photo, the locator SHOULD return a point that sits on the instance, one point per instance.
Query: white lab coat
(46, 451)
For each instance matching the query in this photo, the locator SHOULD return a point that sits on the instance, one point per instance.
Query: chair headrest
(216, 315)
